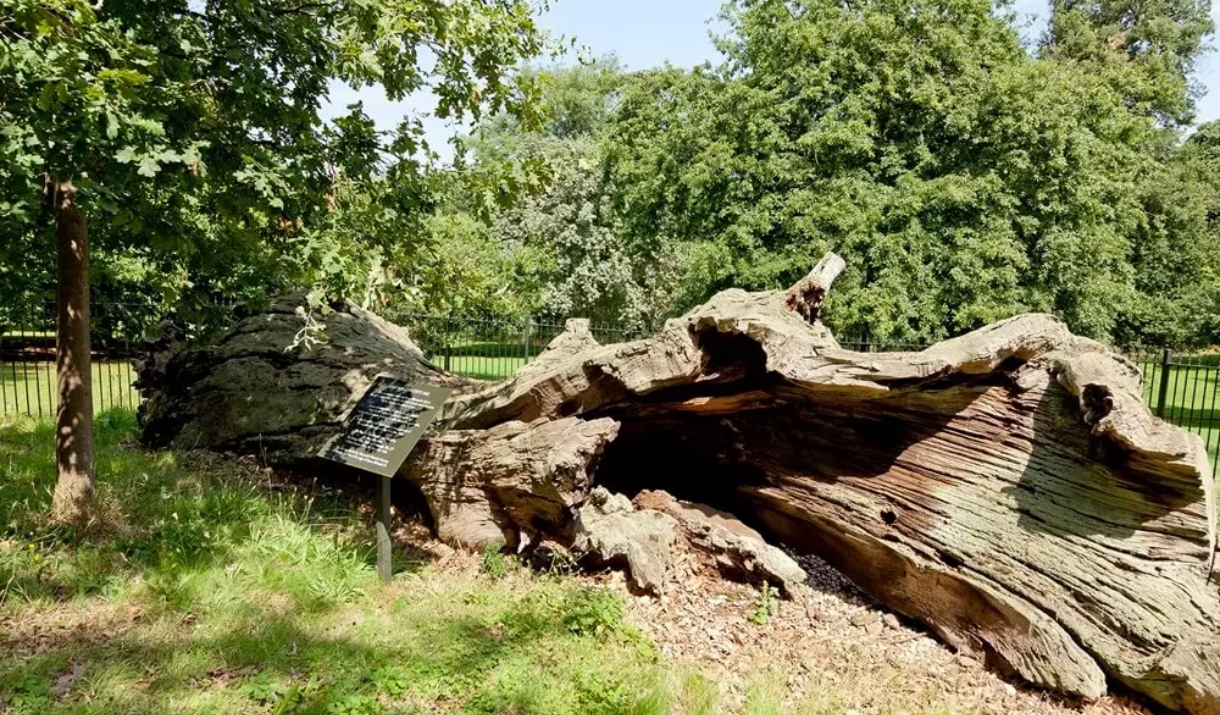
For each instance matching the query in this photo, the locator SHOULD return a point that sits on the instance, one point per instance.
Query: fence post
(529, 323)
(447, 341)
(1160, 400)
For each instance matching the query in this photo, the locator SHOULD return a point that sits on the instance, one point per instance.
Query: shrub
(593, 611)
(493, 560)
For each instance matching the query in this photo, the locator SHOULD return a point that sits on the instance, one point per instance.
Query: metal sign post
(385, 567)
(378, 435)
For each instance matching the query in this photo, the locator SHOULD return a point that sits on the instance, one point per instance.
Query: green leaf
(123, 76)
(149, 167)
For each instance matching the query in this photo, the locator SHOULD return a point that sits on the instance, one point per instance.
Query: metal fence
(27, 360)
(493, 349)
(486, 349)
(1183, 388)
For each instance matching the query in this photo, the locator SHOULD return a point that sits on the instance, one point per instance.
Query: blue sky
(647, 33)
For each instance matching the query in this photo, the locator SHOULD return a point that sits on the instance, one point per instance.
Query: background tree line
(964, 175)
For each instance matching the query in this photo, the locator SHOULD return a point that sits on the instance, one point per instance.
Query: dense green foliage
(964, 176)
(194, 134)
(1146, 50)
(561, 249)
(962, 179)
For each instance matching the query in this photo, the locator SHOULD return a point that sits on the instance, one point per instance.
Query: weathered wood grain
(1008, 487)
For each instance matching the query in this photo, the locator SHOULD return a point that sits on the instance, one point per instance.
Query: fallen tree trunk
(1008, 488)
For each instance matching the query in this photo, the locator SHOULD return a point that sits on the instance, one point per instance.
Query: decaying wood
(509, 483)
(254, 392)
(610, 531)
(733, 548)
(1008, 488)
(805, 298)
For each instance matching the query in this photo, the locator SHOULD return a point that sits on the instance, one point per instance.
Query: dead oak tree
(1008, 488)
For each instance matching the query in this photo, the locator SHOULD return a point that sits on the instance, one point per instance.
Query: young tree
(192, 131)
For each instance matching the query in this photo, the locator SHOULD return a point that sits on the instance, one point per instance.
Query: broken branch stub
(1008, 487)
(806, 296)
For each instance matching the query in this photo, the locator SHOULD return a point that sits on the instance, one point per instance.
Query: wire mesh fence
(1181, 387)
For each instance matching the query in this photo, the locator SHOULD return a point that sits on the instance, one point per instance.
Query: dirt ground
(828, 649)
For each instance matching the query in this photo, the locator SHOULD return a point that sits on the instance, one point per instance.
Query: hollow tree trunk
(74, 413)
(1008, 488)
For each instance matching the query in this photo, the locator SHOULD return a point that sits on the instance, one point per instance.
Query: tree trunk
(1008, 488)
(74, 413)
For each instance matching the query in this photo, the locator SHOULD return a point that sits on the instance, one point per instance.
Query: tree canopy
(962, 176)
(195, 134)
(1146, 50)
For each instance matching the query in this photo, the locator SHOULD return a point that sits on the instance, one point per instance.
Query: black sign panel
(385, 425)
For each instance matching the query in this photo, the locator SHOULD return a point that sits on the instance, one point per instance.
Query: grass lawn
(1192, 396)
(482, 367)
(28, 388)
(207, 587)
(499, 356)
(485, 359)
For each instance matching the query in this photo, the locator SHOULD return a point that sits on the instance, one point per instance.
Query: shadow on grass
(161, 514)
(210, 585)
(251, 657)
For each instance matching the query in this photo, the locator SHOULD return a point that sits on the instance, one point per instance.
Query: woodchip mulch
(830, 649)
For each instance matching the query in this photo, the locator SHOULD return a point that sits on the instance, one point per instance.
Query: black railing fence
(27, 358)
(1181, 387)
(490, 349)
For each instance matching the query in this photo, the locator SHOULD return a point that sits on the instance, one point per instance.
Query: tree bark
(73, 497)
